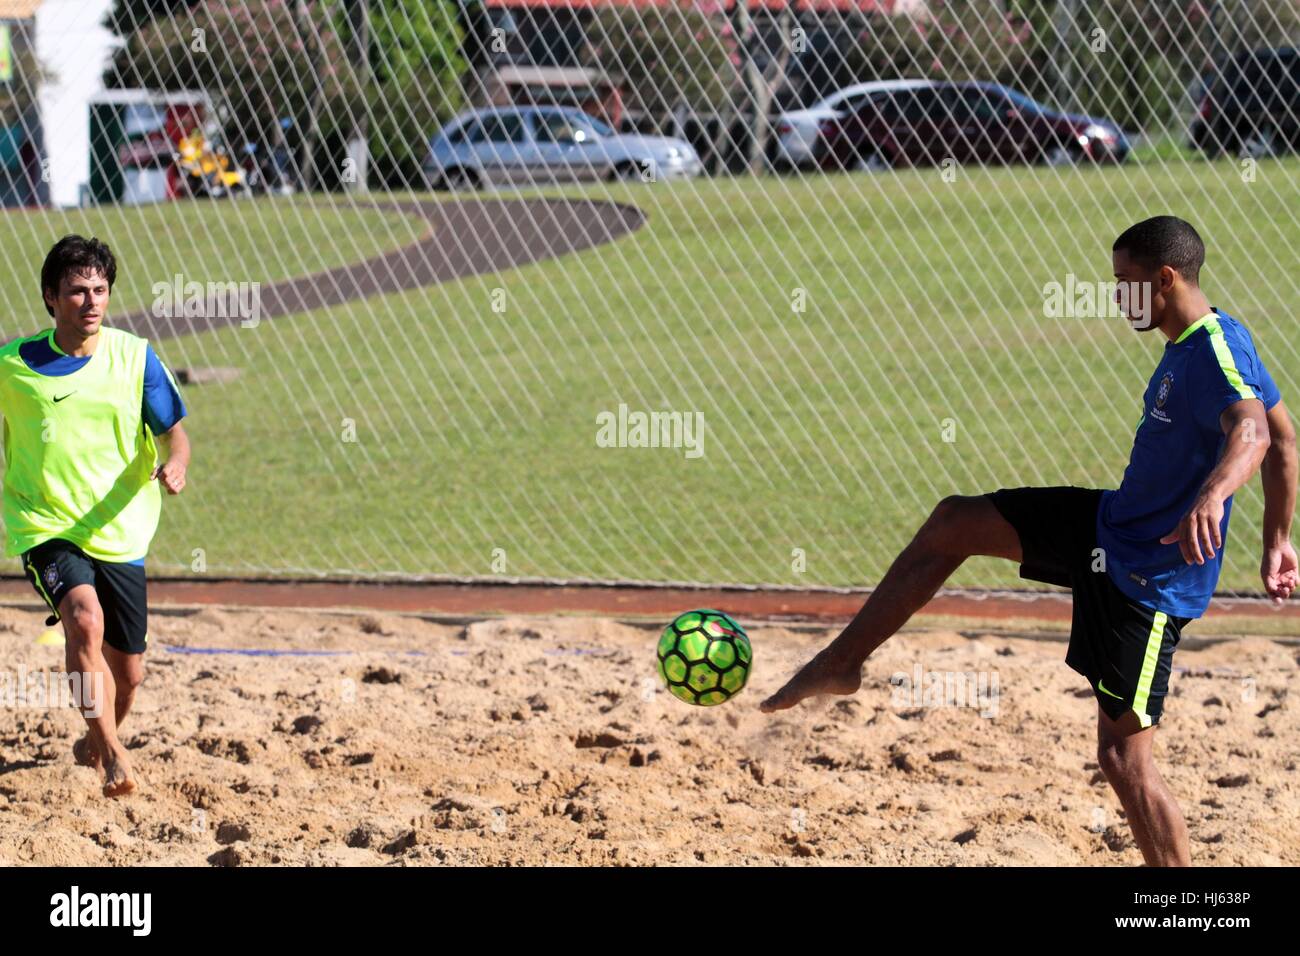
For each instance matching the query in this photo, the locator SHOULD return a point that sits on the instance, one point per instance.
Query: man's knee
(1127, 767)
(83, 617)
(129, 676)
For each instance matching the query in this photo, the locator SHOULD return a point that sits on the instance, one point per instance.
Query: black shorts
(55, 567)
(1123, 647)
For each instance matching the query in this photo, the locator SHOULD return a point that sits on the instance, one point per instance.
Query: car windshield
(561, 126)
(1022, 102)
(590, 125)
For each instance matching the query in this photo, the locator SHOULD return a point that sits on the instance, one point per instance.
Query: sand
(546, 741)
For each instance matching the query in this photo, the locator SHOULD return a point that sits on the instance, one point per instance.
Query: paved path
(465, 238)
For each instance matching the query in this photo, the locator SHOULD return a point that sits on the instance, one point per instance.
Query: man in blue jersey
(1141, 560)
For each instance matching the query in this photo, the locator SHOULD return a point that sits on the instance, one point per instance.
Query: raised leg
(958, 528)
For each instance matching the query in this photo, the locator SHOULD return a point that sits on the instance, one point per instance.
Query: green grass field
(475, 403)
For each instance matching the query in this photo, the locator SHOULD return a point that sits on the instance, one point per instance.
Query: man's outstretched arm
(1278, 472)
(1246, 425)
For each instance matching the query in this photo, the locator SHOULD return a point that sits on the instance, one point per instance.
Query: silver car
(526, 145)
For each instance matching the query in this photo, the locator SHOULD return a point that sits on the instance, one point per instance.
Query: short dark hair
(1164, 241)
(77, 255)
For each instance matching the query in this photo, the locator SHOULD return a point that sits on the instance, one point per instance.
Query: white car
(798, 130)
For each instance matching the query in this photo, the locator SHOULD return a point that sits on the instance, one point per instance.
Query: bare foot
(821, 675)
(118, 778)
(85, 753)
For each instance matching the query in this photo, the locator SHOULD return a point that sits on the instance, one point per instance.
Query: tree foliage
(265, 61)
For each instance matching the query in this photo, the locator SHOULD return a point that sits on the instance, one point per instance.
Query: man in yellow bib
(82, 405)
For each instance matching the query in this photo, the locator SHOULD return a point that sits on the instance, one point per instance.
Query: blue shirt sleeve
(1225, 375)
(163, 406)
(1270, 393)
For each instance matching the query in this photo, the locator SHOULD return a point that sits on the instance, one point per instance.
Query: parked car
(797, 131)
(544, 144)
(980, 123)
(1252, 106)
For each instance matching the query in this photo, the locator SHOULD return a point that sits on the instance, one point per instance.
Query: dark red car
(980, 123)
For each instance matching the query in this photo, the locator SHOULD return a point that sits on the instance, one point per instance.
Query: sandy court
(387, 740)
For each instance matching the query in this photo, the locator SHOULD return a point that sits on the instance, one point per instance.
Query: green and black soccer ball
(704, 657)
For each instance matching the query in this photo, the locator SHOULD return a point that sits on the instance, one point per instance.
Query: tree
(666, 59)
(250, 58)
(413, 61)
(955, 40)
(1129, 60)
(272, 60)
(760, 81)
(1136, 59)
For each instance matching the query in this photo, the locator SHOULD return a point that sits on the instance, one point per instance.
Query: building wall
(74, 48)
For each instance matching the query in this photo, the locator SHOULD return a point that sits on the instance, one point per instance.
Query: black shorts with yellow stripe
(1123, 647)
(56, 566)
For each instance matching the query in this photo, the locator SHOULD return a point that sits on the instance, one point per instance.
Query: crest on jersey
(1162, 393)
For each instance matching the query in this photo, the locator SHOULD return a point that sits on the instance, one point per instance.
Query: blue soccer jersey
(1212, 365)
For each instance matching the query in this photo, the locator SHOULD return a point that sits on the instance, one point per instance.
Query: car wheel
(1205, 145)
(872, 162)
(630, 172)
(1260, 143)
(1060, 156)
(458, 180)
